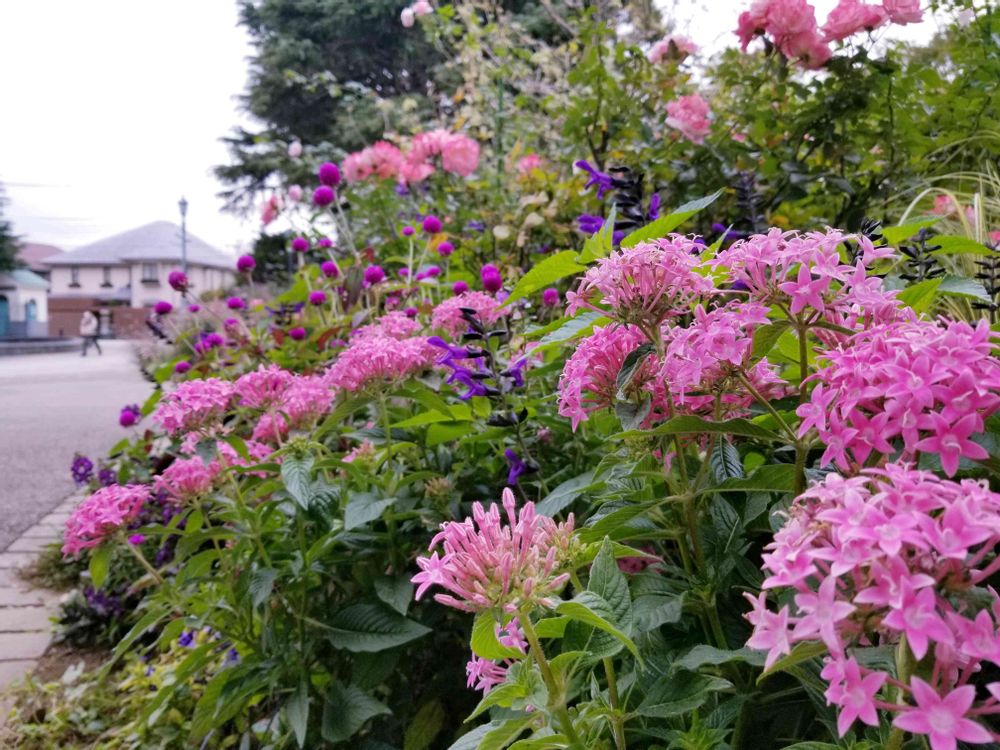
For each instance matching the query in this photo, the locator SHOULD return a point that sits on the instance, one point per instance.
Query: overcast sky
(113, 109)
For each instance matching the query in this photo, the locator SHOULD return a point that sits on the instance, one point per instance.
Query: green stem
(137, 553)
(767, 405)
(557, 697)
(617, 723)
(713, 618)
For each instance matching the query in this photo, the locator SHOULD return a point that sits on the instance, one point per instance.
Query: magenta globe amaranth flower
(296, 334)
(178, 281)
(459, 287)
(432, 224)
(130, 415)
(491, 278)
(330, 269)
(329, 174)
(300, 244)
(235, 303)
(245, 263)
(323, 196)
(163, 307)
(410, 312)
(182, 367)
(550, 297)
(374, 274)
(432, 272)
(445, 249)
(324, 242)
(317, 298)
(408, 231)
(194, 308)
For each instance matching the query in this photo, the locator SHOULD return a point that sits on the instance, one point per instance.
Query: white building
(121, 276)
(23, 305)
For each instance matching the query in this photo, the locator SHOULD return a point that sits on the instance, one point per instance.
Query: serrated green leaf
(581, 325)
(895, 235)
(690, 424)
(364, 507)
(590, 609)
(296, 473)
(631, 415)
(297, 712)
(369, 627)
(920, 296)
(609, 583)
(725, 461)
(633, 361)
(261, 585)
(346, 709)
(765, 337)
(801, 652)
(960, 287)
(550, 270)
(703, 654)
(564, 494)
(599, 244)
(958, 245)
(425, 725)
(773, 478)
(396, 592)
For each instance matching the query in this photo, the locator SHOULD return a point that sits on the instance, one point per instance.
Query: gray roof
(159, 241)
(22, 277)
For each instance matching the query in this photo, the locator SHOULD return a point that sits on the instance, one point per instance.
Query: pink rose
(689, 115)
(850, 17)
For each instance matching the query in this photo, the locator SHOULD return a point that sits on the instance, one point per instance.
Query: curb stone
(25, 611)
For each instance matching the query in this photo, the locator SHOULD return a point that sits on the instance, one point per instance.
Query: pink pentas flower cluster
(914, 387)
(396, 325)
(194, 405)
(645, 283)
(708, 358)
(689, 115)
(488, 564)
(806, 275)
(378, 360)
(307, 399)
(447, 316)
(893, 556)
(588, 380)
(485, 674)
(263, 388)
(187, 479)
(102, 514)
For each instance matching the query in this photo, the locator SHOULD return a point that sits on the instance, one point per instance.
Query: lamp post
(183, 204)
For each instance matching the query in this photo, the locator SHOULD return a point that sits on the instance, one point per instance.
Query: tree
(9, 242)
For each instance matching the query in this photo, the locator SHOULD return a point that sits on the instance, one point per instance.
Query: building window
(107, 277)
(149, 273)
(74, 276)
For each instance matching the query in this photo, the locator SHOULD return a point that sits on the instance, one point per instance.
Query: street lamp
(183, 204)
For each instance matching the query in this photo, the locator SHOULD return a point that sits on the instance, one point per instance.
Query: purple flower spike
(600, 179)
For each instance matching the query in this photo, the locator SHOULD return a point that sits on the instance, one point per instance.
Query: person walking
(88, 330)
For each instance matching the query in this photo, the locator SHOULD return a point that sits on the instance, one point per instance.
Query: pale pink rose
(740, 137)
(850, 17)
(270, 210)
(789, 20)
(295, 149)
(995, 237)
(752, 22)
(407, 17)
(689, 115)
(295, 193)
(903, 11)
(682, 47)
(460, 155)
(943, 205)
(422, 8)
(413, 170)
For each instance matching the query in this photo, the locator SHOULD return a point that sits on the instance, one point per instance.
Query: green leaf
(631, 415)
(564, 495)
(633, 361)
(396, 592)
(591, 609)
(446, 432)
(296, 474)
(544, 274)
(346, 709)
(725, 461)
(609, 583)
(689, 424)
(704, 654)
(493, 736)
(425, 726)
(368, 627)
(958, 245)
(960, 287)
(895, 235)
(920, 296)
(100, 560)
(484, 639)
(297, 711)
(801, 652)
(650, 611)
(772, 477)
(551, 627)
(599, 244)
(679, 694)
(364, 507)
(261, 585)
(573, 328)
(666, 224)
(765, 337)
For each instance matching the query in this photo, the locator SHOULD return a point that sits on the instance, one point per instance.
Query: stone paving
(25, 627)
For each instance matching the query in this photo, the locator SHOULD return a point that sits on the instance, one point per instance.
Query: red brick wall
(125, 322)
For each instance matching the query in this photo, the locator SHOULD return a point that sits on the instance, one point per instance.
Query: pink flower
(588, 380)
(407, 17)
(646, 283)
(528, 163)
(447, 316)
(460, 155)
(295, 193)
(675, 47)
(770, 631)
(101, 514)
(379, 360)
(689, 114)
(187, 478)
(270, 209)
(295, 149)
(263, 387)
(852, 693)
(904, 12)
(422, 8)
(487, 564)
(942, 719)
(381, 159)
(194, 405)
(943, 205)
(850, 17)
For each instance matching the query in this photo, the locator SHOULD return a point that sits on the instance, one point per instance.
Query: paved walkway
(25, 629)
(51, 406)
